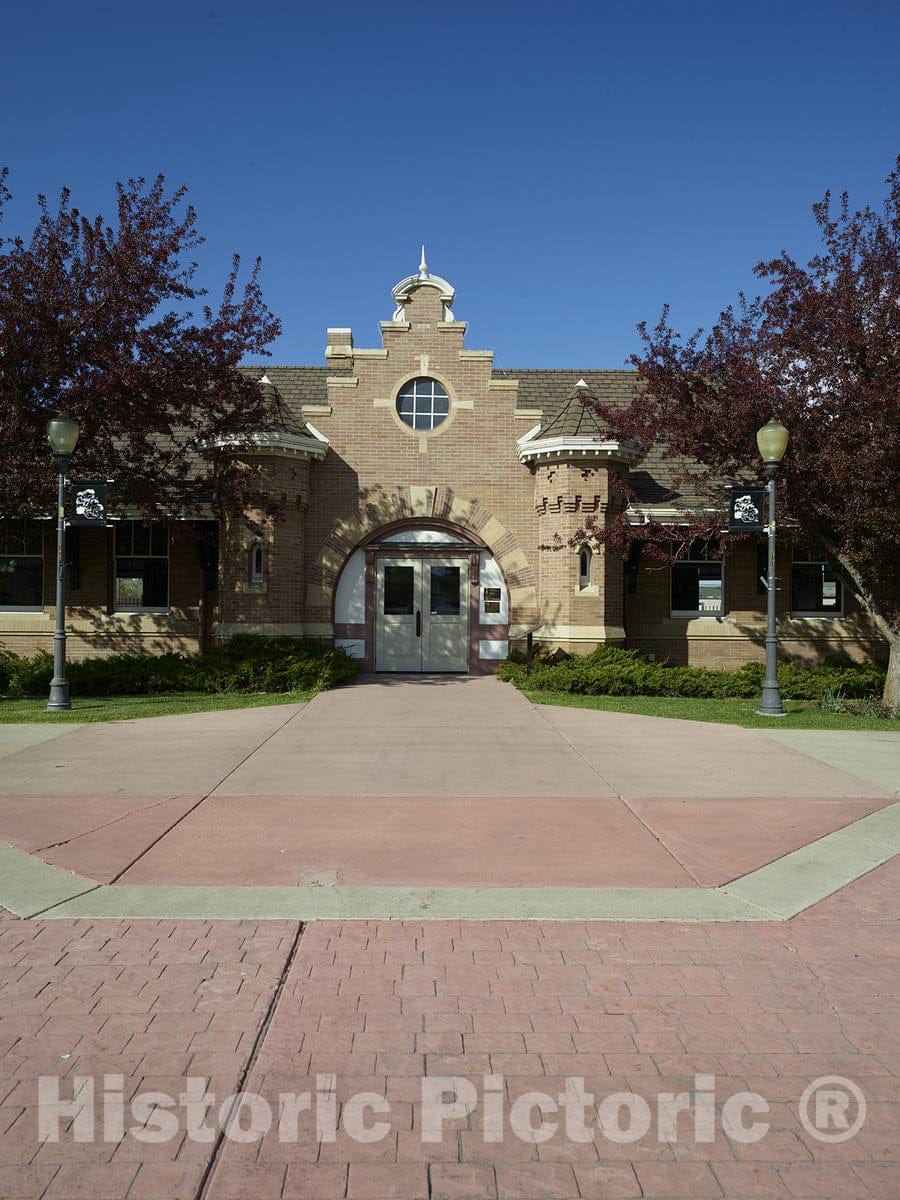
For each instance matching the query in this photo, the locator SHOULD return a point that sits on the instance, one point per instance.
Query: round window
(423, 403)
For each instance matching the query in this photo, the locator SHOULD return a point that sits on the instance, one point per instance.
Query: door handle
(418, 622)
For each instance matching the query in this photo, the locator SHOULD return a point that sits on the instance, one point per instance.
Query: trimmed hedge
(609, 671)
(243, 664)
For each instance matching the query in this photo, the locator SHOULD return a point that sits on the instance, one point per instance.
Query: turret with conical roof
(574, 459)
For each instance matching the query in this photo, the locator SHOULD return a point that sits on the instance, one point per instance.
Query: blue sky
(570, 166)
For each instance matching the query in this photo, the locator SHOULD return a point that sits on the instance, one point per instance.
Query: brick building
(422, 487)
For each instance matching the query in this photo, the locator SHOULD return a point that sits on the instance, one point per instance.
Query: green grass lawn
(800, 714)
(126, 708)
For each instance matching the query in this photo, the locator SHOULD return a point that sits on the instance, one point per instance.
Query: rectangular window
(399, 591)
(445, 599)
(816, 591)
(142, 567)
(492, 600)
(698, 585)
(21, 565)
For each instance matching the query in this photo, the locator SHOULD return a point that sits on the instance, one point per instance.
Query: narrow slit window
(257, 563)
(584, 567)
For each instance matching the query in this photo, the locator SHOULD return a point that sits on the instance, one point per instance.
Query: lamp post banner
(90, 500)
(746, 510)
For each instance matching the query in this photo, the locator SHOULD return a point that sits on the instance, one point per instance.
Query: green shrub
(833, 700)
(245, 664)
(6, 664)
(610, 671)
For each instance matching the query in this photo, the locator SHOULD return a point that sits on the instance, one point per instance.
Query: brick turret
(581, 589)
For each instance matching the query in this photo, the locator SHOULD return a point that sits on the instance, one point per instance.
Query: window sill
(140, 612)
(696, 616)
(813, 616)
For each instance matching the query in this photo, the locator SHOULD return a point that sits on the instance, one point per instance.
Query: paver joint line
(538, 708)
(165, 833)
(224, 1125)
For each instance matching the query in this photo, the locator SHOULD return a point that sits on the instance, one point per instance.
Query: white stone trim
(527, 437)
(579, 446)
(269, 441)
(315, 432)
(354, 647)
(493, 649)
(580, 633)
(342, 381)
(669, 515)
(400, 293)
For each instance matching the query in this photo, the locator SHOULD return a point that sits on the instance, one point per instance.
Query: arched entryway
(423, 596)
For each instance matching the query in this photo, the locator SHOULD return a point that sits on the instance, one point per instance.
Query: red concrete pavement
(363, 786)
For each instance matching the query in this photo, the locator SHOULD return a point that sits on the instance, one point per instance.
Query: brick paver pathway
(153, 1001)
(635, 1008)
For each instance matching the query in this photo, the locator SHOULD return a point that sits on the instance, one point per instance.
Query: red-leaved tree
(821, 352)
(96, 320)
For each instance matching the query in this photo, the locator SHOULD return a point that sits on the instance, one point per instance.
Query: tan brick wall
(576, 618)
(378, 470)
(92, 628)
(276, 604)
(739, 635)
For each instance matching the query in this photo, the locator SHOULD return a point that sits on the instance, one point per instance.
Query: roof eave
(579, 446)
(271, 441)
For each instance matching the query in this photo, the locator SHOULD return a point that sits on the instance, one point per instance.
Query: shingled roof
(575, 417)
(294, 387)
(549, 390)
(552, 392)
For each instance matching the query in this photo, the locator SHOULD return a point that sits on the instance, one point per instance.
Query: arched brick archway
(379, 507)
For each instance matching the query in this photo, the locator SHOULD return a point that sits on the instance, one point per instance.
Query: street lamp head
(772, 440)
(62, 434)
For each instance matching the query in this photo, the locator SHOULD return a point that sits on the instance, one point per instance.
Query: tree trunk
(886, 627)
(891, 695)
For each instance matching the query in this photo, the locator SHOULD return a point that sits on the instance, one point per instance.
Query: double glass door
(422, 614)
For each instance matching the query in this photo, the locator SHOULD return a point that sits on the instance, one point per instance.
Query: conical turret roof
(576, 417)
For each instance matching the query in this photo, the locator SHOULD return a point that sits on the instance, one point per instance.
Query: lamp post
(62, 434)
(772, 440)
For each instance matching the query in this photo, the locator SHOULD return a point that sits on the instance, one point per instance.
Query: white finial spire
(423, 265)
(581, 384)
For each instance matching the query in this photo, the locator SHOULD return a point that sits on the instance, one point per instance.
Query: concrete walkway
(422, 783)
(727, 984)
(869, 755)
